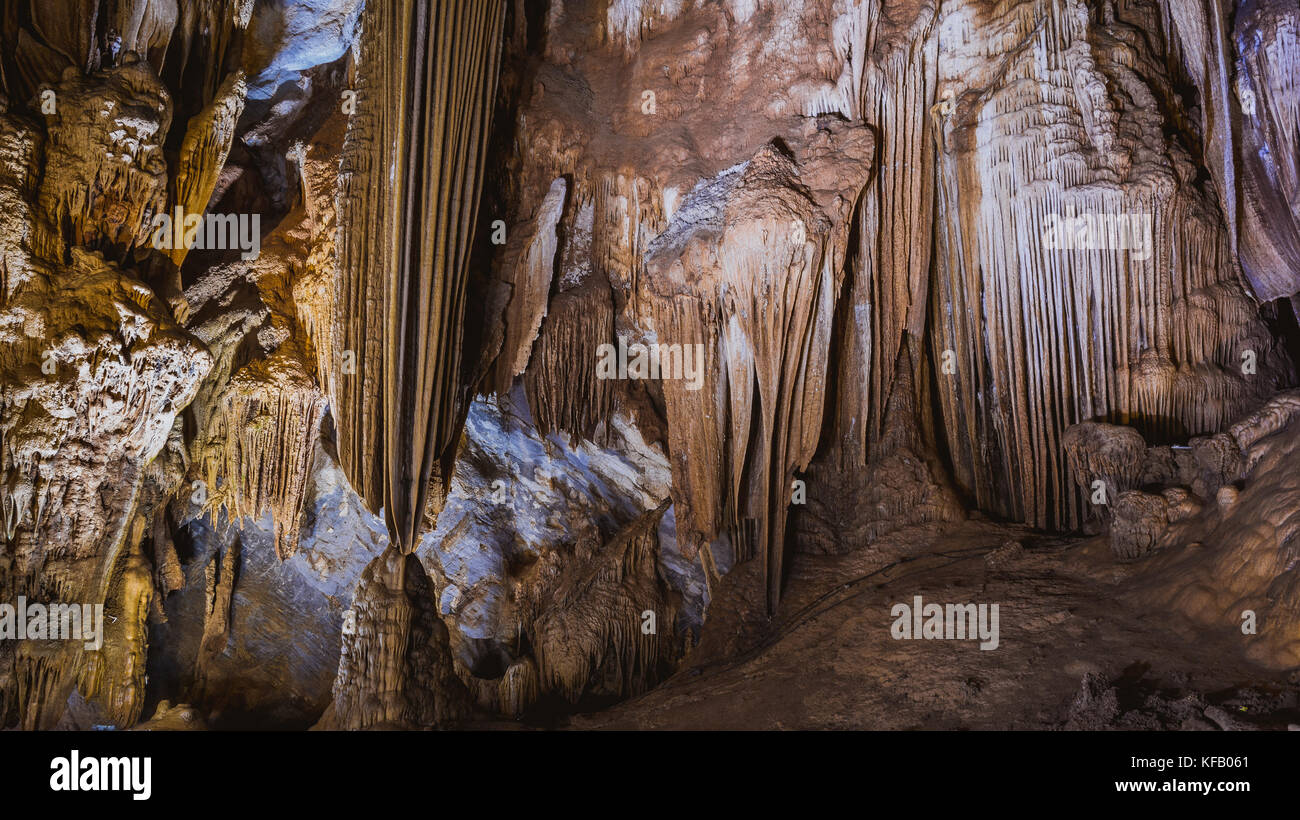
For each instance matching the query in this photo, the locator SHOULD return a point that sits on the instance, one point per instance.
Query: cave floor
(828, 661)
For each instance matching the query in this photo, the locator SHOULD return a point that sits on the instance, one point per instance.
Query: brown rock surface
(591, 352)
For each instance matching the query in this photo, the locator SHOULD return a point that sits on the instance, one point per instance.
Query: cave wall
(392, 426)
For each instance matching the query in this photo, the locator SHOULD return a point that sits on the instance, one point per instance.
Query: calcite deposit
(449, 364)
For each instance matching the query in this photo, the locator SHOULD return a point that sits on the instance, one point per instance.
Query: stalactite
(209, 32)
(890, 62)
(565, 392)
(764, 263)
(313, 287)
(409, 195)
(531, 286)
(1267, 39)
(263, 442)
(208, 138)
(144, 27)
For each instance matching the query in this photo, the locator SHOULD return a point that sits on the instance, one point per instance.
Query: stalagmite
(1104, 461)
(116, 674)
(219, 586)
(603, 624)
(1237, 552)
(395, 669)
(899, 485)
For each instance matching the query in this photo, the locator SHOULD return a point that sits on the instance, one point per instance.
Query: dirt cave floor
(1075, 651)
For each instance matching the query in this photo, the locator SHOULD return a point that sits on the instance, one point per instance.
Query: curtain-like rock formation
(762, 252)
(412, 164)
(1083, 272)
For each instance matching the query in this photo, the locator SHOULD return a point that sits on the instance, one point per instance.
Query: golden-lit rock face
(97, 368)
(532, 349)
(95, 373)
(106, 173)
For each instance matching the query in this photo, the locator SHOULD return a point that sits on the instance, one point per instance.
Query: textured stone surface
(935, 269)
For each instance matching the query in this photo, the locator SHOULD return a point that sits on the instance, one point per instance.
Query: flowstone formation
(1085, 274)
(421, 365)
